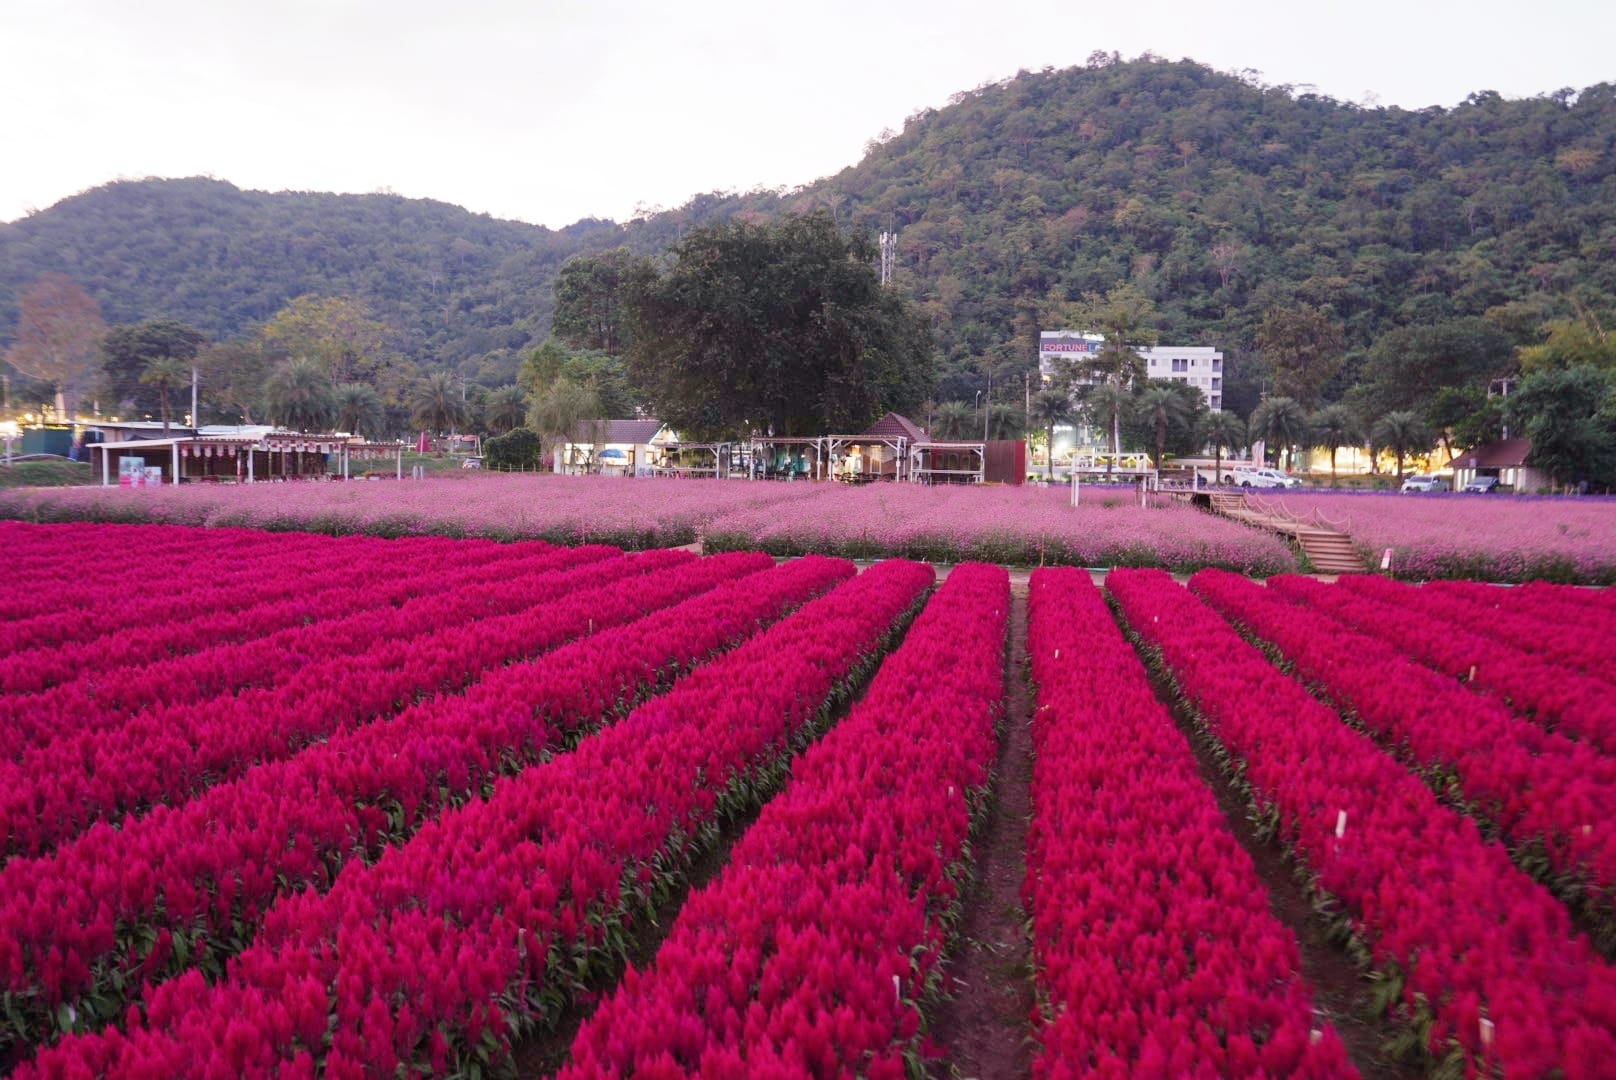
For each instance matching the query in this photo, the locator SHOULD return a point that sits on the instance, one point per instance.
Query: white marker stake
(1486, 1033)
(1386, 560)
(1340, 824)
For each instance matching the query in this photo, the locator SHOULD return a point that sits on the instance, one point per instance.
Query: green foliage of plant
(127, 351)
(1570, 416)
(437, 403)
(47, 474)
(779, 327)
(1403, 433)
(299, 396)
(516, 449)
(1281, 423)
(1333, 427)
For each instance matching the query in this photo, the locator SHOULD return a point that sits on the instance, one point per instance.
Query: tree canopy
(781, 327)
(127, 352)
(298, 395)
(1570, 416)
(59, 331)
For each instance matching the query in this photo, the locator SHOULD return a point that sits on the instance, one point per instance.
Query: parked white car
(1266, 478)
(1425, 483)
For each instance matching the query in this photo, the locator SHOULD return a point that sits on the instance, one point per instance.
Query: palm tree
(1281, 422)
(1161, 405)
(1108, 400)
(298, 395)
(436, 404)
(1403, 433)
(506, 409)
(1007, 422)
(166, 373)
(955, 420)
(1050, 409)
(1335, 426)
(1223, 431)
(359, 409)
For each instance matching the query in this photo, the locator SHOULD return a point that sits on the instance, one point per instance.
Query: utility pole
(987, 406)
(889, 251)
(1503, 385)
(196, 417)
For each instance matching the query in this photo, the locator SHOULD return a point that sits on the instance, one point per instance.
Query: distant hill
(1219, 197)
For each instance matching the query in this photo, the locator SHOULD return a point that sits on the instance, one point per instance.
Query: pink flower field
(1493, 538)
(295, 805)
(1025, 526)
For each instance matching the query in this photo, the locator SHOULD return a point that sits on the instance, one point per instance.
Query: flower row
(1576, 705)
(222, 645)
(808, 954)
(1541, 790)
(201, 875)
(1560, 604)
(194, 581)
(1491, 971)
(1541, 633)
(167, 755)
(58, 565)
(490, 917)
(1157, 953)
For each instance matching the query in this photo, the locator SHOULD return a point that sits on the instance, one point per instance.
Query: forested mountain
(451, 283)
(1218, 197)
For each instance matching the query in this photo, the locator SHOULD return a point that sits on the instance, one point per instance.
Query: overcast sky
(552, 111)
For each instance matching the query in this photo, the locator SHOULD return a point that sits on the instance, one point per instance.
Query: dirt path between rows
(984, 1027)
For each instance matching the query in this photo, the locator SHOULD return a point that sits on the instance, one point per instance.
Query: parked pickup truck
(1266, 478)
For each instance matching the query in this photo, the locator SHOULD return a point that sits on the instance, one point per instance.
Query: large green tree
(1570, 416)
(337, 332)
(606, 376)
(59, 331)
(781, 327)
(234, 374)
(128, 350)
(1440, 371)
(1303, 349)
(591, 299)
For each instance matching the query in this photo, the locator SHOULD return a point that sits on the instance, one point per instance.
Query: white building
(1200, 366)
